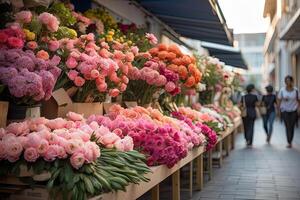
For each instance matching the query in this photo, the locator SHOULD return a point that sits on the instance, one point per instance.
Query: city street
(261, 172)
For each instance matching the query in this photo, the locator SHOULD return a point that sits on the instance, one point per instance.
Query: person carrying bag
(248, 105)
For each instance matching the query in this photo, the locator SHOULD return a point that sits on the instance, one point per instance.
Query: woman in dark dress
(269, 101)
(250, 100)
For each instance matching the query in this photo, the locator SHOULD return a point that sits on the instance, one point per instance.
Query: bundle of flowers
(40, 138)
(29, 77)
(93, 69)
(12, 37)
(203, 117)
(181, 64)
(210, 134)
(220, 113)
(69, 151)
(162, 144)
(165, 140)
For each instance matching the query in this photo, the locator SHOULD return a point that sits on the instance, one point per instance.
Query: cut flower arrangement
(79, 157)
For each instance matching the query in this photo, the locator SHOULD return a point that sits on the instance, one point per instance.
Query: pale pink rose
(77, 160)
(128, 143)
(86, 129)
(71, 62)
(51, 154)
(2, 150)
(135, 50)
(119, 145)
(42, 127)
(53, 45)
(20, 128)
(95, 148)
(109, 138)
(31, 154)
(94, 125)
(70, 124)
(82, 136)
(72, 146)
(49, 20)
(33, 140)
(74, 116)
(79, 81)
(54, 139)
(70, 44)
(61, 152)
(151, 38)
(43, 147)
(13, 148)
(23, 16)
(56, 123)
(88, 153)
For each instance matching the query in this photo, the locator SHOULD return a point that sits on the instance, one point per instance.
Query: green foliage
(65, 16)
(65, 32)
(114, 170)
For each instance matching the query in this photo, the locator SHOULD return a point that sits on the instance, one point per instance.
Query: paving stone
(263, 172)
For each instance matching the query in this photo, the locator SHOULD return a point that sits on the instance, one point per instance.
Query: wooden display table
(134, 191)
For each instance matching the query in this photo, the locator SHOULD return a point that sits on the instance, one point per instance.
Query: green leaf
(68, 173)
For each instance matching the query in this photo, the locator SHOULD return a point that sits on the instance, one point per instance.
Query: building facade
(282, 46)
(251, 46)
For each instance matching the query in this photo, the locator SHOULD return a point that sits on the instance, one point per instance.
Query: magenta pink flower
(14, 42)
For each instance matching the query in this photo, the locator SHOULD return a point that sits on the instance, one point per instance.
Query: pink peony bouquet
(164, 139)
(12, 37)
(92, 69)
(40, 138)
(210, 134)
(28, 77)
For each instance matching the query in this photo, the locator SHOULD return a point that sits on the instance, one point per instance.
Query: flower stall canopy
(197, 19)
(229, 55)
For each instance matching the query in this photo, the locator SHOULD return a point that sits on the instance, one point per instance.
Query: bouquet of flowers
(30, 77)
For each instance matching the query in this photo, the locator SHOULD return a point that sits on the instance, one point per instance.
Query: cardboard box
(88, 109)
(61, 103)
(3, 113)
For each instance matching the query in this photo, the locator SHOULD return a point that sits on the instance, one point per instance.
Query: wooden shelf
(159, 173)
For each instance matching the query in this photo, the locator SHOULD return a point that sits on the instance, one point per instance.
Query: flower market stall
(93, 108)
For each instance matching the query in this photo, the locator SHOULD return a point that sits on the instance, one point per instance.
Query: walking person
(288, 100)
(249, 101)
(269, 102)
